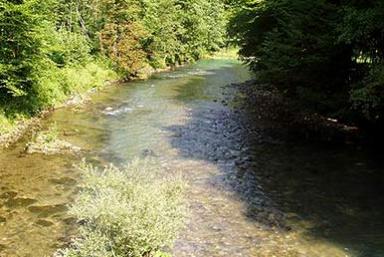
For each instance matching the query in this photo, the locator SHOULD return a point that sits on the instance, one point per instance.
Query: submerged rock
(64, 181)
(19, 202)
(56, 147)
(47, 210)
(8, 195)
(44, 223)
(47, 142)
(115, 112)
(148, 153)
(77, 100)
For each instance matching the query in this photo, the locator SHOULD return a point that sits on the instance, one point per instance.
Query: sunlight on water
(289, 200)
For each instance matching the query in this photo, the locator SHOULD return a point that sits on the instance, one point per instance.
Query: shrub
(78, 79)
(368, 95)
(68, 48)
(57, 84)
(5, 124)
(131, 212)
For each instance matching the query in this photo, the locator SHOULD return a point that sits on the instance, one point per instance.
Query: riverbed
(250, 194)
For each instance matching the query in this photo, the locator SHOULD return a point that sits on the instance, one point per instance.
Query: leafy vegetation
(327, 53)
(131, 212)
(50, 50)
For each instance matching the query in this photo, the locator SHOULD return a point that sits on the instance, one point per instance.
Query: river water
(249, 195)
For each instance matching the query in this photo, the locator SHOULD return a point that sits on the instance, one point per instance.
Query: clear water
(248, 197)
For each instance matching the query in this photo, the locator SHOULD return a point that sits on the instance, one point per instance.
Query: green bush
(367, 96)
(78, 79)
(131, 212)
(68, 48)
(57, 84)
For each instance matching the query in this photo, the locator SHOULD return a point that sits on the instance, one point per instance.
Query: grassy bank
(60, 86)
(131, 212)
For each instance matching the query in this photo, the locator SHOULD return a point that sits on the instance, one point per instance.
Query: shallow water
(249, 194)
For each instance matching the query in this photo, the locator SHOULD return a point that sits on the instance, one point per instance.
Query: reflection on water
(249, 196)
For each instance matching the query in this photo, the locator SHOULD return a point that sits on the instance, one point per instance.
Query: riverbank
(82, 83)
(14, 128)
(65, 87)
(284, 118)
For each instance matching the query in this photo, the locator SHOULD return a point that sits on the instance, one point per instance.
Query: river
(249, 194)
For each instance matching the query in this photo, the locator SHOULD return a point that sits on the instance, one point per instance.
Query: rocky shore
(19, 130)
(284, 118)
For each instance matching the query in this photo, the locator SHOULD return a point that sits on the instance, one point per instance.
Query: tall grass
(131, 212)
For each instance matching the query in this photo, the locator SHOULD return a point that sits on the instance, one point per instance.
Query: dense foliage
(328, 53)
(46, 46)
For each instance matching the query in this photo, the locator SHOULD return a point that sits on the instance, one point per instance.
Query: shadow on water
(251, 194)
(331, 196)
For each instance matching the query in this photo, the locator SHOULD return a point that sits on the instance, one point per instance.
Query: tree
(22, 38)
(326, 53)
